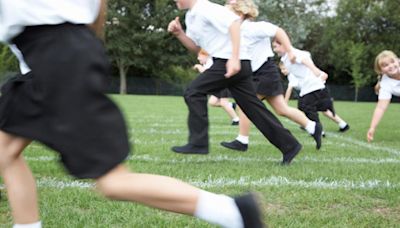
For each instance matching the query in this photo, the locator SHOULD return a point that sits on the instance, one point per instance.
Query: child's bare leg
(330, 115)
(214, 101)
(244, 123)
(170, 194)
(152, 190)
(281, 108)
(18, 179)
(227, 106)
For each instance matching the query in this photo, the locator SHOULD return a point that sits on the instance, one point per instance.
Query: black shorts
(267, 79)
(61, 102)
(319, 100)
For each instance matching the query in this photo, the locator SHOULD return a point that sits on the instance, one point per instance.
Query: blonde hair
(247, 8)
(379, 57)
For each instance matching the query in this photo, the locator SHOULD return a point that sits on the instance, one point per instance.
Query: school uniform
(313, 95)
(60, 100)
(389, 87)
(266, 76)
(224, 93)
(208, 26)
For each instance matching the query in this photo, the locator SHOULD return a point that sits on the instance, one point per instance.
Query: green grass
(348, 183)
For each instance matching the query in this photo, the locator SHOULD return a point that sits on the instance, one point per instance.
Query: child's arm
(282, 37)
(175, 28)
(380, 109)
(288, 93)
(233, 64)
(98, 25)
(316, 71)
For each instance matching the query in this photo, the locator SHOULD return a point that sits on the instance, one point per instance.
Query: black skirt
(267, 79)
(61, 102)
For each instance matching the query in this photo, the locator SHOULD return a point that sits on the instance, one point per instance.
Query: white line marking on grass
(365, 144)
(222, 158)
(320, 183)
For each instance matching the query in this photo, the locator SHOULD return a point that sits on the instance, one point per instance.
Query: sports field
(348, 183)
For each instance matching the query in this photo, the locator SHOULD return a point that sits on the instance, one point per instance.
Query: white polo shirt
(207, 24)
(389, 87)
(308, 82)
(256, 37)
(293, 81)
(16, 14)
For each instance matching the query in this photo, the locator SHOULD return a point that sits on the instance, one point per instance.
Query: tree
(137, 40)
(372, 23)
(297, 18)
(356, 53)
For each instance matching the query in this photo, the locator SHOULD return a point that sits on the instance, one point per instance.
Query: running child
(61, 103)
(266, 78)
(314, 96)
(217, 30)
(294, 84)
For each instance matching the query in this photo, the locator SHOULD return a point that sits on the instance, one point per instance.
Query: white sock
(31, 225)
(310, 127)
(243, 139)
(342, 124)
(236, 119)
(218, 209)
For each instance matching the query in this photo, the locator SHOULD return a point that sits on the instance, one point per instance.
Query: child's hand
(232, 67)
(323, 76)
(175, 27)
(370, 134)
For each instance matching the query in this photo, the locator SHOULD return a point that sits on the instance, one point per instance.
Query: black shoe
(250, 210)
(234, 105)
(323, 134)
(235, 145)
(317, 135)
(347, 127)
(190, 149)
(235, 123)
(288, 157)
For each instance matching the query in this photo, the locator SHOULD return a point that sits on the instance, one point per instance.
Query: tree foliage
(137, 40)
(372, 23)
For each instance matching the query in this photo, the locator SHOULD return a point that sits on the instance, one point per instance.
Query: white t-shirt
(256, 37)
(389, 87)
(16, 14)
(293, 81)
(308, 82)
(207, 24)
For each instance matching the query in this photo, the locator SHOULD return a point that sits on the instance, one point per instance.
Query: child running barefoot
(61, 103)
(266, 78)
(221, 98)
(386, 65)
(217, 30)
(294, 84)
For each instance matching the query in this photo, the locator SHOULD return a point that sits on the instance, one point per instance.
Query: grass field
(348, 183)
